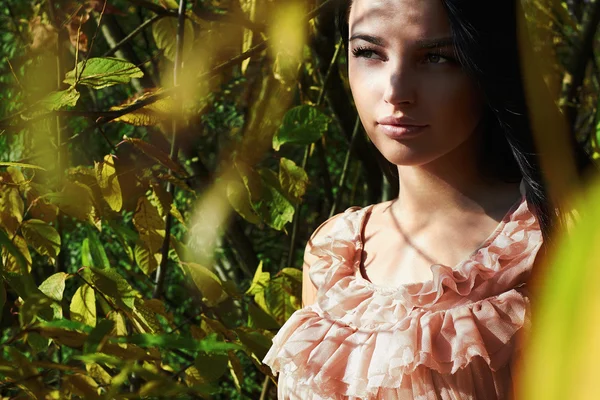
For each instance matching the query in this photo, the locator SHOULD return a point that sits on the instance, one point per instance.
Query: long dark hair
(487, 46)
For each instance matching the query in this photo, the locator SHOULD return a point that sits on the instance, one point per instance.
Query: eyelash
(360, 52)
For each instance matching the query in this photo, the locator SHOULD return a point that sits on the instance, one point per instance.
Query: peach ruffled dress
(452, 337)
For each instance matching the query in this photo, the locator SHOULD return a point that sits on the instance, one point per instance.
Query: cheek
(455, 103)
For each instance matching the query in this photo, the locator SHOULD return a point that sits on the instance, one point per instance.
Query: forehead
(423, 18)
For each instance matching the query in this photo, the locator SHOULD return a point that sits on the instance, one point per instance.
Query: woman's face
(413, 98)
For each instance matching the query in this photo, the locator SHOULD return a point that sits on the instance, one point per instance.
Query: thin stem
(133, 34)
(342, 182)
(162, 268)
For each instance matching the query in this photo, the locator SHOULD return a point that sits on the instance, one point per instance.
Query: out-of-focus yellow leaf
(83, 305)
(563, 348)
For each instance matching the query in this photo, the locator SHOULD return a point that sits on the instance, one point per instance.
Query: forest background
(163, 163)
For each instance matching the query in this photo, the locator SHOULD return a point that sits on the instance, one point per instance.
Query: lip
(400, 127)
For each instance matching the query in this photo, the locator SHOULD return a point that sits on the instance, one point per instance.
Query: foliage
(156, 193)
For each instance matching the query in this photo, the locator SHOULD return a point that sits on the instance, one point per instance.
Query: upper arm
(309, 290)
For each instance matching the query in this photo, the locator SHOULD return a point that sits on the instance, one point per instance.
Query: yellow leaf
(108, 181)
(98, 373)
(11, 207)
(81, 385)
(147, 261)
(42, 237)
(10, 262)
(149, 224)
(54, 286)
(152, 114)
(206, 281)
(83, 305)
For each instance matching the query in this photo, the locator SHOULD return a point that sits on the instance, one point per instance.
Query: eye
(364, 52)
(436, 58)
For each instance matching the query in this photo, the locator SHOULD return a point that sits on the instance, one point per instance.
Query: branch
(133, 34)
(342, 182)
(162, 268)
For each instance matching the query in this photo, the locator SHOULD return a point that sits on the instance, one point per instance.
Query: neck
(441, 188)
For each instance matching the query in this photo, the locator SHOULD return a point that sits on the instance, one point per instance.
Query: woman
(425, 296)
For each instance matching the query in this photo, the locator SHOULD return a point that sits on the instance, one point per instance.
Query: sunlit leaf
(165, 34)
(83, 305)
(108, 180)
(75, 200)
(54, 286)
(206, 281)
(112, 285)
(147, 261)
(60, 99)
(42, 237)
(103, 72)
(301, 125)
(260, 281)
(293, 179)
(149, 115)
(12, 208)
(93, 253)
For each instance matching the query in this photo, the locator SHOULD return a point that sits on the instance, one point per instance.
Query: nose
(401, 88)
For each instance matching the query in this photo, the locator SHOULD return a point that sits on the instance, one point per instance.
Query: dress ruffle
(360, 340)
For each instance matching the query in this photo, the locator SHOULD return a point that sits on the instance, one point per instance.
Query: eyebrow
(422, 44)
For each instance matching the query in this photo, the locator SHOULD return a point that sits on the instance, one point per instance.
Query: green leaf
(239, 198)
(257, 342)
(164, 32)
(108, 181)
(206, 281)
(211, 366)
(57, 100)
(93, 254)
(169, 341)
(259, 318)
(293, 179)
(103, 72)
(83, 305)
(42, 237)
(301, 125)
(273, 206)
(97, 335)
(259, 282)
